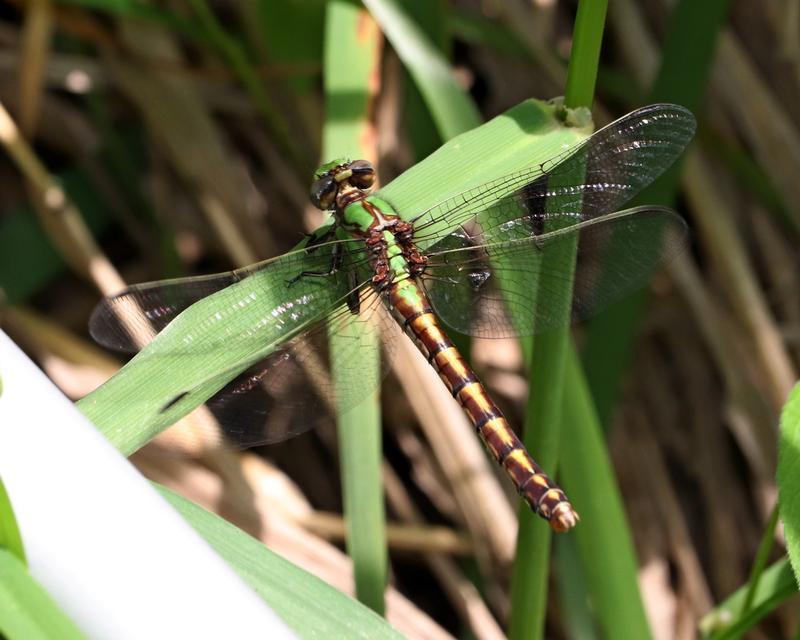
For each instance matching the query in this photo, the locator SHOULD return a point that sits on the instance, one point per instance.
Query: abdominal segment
(410, 305)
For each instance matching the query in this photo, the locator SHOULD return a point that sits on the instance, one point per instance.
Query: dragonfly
(523, 254)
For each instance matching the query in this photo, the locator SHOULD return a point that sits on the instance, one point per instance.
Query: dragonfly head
(340, 182)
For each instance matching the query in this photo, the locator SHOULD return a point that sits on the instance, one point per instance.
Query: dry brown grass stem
(731, 261)
(628, 26)
(765, 125)
(639, 446)
(180, 123)
(416, 538)
(462, 592)
(487, 513)
(741, 384)
(61, 218)
(33, 62)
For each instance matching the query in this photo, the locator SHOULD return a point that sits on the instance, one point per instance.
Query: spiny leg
(313, 240)
(354, 297)
(335, 265)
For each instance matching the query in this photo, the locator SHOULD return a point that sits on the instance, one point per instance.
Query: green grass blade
(26, 610)
(762, 556)
(777, 584)
(573, 597)
(291, 35)
(542, 434)
(10, 538)
(452, 111)
(546, 356)
(603, 536)
(431, 18)
(351, 61)
(587, 38)
(541, 437)
(312, 608)
(351, 56)
(789, 477)
(688, 51)
(362, 488)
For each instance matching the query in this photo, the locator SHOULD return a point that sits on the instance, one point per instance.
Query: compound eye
(323, 193)
(363, 174)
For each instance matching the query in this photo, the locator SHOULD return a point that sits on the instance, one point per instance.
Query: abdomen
(411, 307)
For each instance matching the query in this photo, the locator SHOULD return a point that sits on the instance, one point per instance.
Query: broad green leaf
(10, 538)
(351, 63)
(789, 477)
(26, 610)
(777, 584)
(312, 608)
(603, 535)
(546, 355)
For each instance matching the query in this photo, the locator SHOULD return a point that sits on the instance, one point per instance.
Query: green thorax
(360, 218)
(364, 217)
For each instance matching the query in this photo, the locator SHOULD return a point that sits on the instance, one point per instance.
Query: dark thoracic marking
(534, 201)
(174, 401)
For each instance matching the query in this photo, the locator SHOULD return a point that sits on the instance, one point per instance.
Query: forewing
(515, 285)
(594, 178)
(281, 337)
(132, 318)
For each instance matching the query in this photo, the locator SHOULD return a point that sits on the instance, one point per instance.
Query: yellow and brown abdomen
(410, 304)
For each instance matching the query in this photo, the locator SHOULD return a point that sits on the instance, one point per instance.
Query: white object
(118, 560)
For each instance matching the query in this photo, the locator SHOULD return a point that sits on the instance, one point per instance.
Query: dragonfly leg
(354, 297)
(335, 265)
(312, 239)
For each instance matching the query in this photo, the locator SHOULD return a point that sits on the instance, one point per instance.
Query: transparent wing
(327, 321)
(130, 319)
(594, 178)
(515, 284)
(295, 389)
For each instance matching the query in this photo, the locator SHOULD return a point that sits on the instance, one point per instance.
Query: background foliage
(184, 135)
